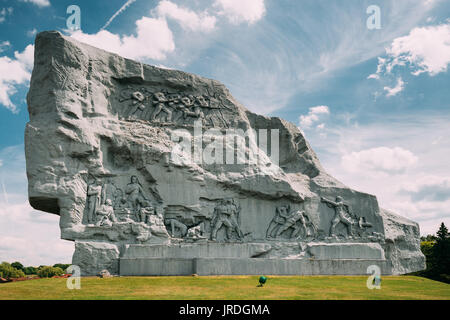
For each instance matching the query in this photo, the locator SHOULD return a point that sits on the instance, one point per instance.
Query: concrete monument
(106, 150)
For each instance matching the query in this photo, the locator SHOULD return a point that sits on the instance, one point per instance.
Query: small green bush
(30, 270)
(62, 266)
(48, 272)
(7, 271)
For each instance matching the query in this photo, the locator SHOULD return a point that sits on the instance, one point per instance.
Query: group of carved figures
(225, 216)
(344, 216)
(298, 221)
(163, 106)
(284, 220)
(107, 204)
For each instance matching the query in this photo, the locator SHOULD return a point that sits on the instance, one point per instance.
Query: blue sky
(374, 104)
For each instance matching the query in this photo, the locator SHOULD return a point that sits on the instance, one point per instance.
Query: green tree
(441, 252)
(30, 270)
(442, 233)
(8, 271)
(48, 272)
(428, 238)
(17, 265)
(427, 249)
(62, 266)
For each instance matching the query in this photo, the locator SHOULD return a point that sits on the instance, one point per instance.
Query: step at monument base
(249, 266)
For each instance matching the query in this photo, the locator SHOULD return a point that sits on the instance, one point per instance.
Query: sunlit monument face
(119, 122)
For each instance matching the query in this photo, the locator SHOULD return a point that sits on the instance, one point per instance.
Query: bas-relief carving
(108, 204)
(226, 215)
(356, 226)
(105, 214)
(297, 221)
(342, 215)
(190, 225)
(162, 106)
(297, 225)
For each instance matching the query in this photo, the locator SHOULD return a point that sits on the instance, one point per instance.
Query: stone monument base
(215, 258)
(249, 266)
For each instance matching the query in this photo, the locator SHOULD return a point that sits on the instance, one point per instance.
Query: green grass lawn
(228, 288)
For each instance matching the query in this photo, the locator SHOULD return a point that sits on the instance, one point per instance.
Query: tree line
(436, 249)
(18, 270)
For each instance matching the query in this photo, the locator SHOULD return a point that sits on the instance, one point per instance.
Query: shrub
(30, 270)
(7, 271)
(62, 266)
(48, 272)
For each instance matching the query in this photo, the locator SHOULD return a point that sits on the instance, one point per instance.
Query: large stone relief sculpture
(100, 149)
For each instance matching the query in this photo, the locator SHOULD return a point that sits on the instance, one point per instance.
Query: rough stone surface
(105, 274)
(402, 245)
(104, 151)
(212, 250)
(327, 251)
(94, 257)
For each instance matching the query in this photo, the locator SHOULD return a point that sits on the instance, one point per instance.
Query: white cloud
(153, 40)
(39, 3)
(381, 159)
(238, 11)
(26, 235)
(376, 75)
(31, 237)
(4, 45)
(122, 9)
(425, 50)
(412, 183)
(14, 71)
(188, 19)
(314, 115)
(395, 90)
(428, 187)
(428, 48)
(32, 32)
(4, 12)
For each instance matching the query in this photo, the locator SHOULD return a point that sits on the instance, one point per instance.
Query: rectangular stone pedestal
(249, 266)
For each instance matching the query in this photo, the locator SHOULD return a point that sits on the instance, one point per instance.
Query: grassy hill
(229, 287)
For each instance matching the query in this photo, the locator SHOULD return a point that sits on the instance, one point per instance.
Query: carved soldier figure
(146, 212)
(109, 191)
(225, 215)
(342, 214)
(138, 99)
(135, 195)
(160, 103)
(189, 104)
(201, 101)
(281, 214)
(105, 214)
(291, 222)
(95, 195)
(174, 224)
(196, 233)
